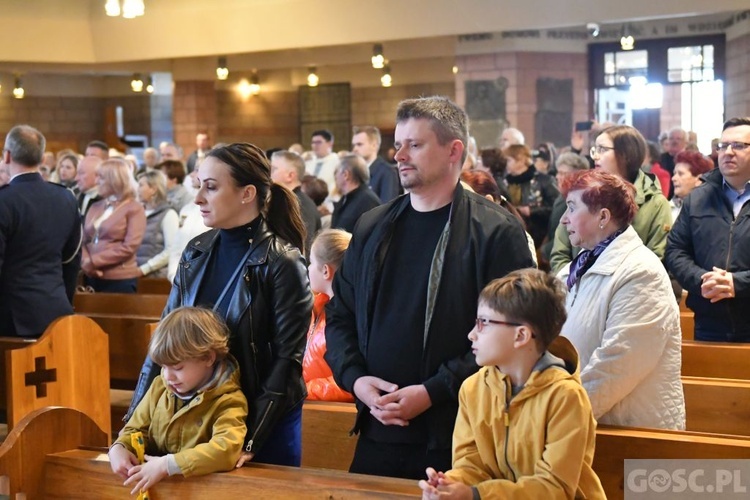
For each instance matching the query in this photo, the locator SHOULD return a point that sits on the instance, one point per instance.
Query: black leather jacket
(268, 319)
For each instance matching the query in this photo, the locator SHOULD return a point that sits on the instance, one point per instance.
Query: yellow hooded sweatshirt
(536, 444)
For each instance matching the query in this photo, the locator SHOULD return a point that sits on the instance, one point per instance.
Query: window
(690, 64)
(620, 67)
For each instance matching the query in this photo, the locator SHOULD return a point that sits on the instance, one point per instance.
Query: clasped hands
(717, 285)
(125, 464)
(439, 487)
(389, 404)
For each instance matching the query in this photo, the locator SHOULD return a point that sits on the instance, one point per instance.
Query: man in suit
(288, 169)
(40, 241)
(86, 180)
(203, 147)
(357, 198)
(383, 176)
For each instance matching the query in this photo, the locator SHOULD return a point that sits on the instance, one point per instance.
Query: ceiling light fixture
(129, 9)
(386, 80)
(312, 77)
(133, 8)
(378, 60)
(627, 42)
(112, 8)
(254, 83)
(222, 72)
(150, 85)
(136, 84)
(18, 91)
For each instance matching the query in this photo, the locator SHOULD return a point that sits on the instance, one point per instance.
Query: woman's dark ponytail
(284, 217)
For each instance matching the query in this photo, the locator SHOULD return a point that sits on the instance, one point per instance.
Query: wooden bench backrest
(687, 325)
(158, 286)
(127, 319)
(120, 304)
(614, 445)
(715, 360)
(67, 366)
(719, 406)
(325, 435)
(44, 431)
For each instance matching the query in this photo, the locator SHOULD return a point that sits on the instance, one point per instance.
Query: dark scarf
(586, 258)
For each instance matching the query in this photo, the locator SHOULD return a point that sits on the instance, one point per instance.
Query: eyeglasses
(735, 145)
(482, 322)
(599, 150)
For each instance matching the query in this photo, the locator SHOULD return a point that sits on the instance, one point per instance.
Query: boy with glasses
(525, 405)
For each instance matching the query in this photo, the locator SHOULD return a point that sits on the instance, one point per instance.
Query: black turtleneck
(231, 246)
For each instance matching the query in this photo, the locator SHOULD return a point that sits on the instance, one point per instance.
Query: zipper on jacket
(726, 267)
(249, 446)
(507, 436)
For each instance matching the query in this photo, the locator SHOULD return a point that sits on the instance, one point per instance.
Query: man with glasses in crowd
(708, 249)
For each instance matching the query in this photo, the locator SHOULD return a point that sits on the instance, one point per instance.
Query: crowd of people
(426, 291)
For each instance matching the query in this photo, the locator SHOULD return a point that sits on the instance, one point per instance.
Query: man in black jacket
(288, 169)
(383, 176)
(708, 248)
(356, 196)
(405, 297)
(40, 241)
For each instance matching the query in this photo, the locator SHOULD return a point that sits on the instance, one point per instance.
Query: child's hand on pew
(438, 487)
(121, 460)
(147, 475)
(246, 456)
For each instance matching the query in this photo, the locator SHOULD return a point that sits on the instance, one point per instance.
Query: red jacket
(315, 370)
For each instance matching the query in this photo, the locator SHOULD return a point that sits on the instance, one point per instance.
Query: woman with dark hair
(530, 191)
(688, 168)
(622, 318)
(493, 161)
(249, 268)
(620, 150)
(483, 184)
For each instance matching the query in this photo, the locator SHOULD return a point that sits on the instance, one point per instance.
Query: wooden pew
(719, 406)
(68, 365)
(43, 431)
(614, 445)
(126, 318)
(687, 325)
(155, 286)
(715, 360)
(325, 434)
(49, 472)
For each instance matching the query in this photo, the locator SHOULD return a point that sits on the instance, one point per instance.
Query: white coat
(624, 321)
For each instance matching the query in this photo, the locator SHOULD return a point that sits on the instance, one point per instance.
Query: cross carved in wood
(41, 376)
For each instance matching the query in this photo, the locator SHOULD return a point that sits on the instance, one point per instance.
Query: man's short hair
(448, 121)
(355, 165)
(532, 297)
(26, 145)
(173, 169)
(574, 161)
(325, 134)
(372, 133)
(736, 122)
(294, 161)
(516, 134)
(99, 145)
(678, 131)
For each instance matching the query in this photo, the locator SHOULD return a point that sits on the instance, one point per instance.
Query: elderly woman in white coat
(622, 316)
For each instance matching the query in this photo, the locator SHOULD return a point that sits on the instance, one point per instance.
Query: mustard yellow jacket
(205, 435)
(537, 444)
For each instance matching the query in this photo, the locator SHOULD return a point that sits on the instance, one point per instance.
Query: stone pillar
(737, 85)
(194, 110)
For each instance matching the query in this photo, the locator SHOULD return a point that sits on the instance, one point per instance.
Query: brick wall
(194, 109)
(522, 69)
(72, 121)
(268, 120)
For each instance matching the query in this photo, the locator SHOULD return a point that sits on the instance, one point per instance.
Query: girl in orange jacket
(326, 254)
